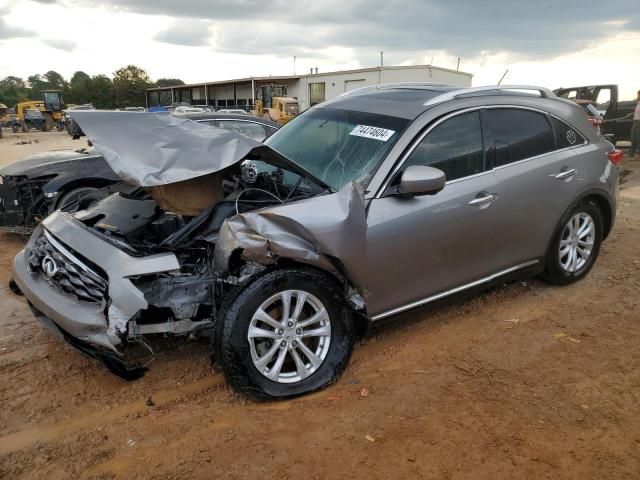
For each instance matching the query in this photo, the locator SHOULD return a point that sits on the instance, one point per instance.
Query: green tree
(102, 94)
(168, 82)
(13, 90)
(129, 85)
(55, 81)
(80, 89)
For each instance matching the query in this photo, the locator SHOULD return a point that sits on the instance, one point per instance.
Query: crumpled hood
(153, 149)
(46, 163)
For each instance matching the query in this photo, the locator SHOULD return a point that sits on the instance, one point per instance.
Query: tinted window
(519, 134)
(565, 135)
(454, 146)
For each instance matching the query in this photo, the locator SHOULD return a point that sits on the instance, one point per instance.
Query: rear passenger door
(533, 156)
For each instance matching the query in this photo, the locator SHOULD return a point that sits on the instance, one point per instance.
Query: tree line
(126, 88)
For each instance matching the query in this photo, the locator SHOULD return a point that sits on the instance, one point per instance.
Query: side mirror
(421, 180)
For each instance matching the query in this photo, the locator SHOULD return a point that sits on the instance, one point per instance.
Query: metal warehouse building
(309, 89)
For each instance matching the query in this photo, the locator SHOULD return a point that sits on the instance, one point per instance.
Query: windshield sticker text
(376, 133)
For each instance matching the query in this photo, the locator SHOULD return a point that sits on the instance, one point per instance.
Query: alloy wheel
(576, 242)
(289, 336)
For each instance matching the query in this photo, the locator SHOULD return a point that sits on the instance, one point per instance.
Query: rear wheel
(287, 333)
(576, 245)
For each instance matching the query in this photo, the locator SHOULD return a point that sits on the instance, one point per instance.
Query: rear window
(519, 134)
(566, 136)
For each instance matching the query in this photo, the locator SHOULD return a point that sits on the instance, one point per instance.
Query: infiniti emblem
(49, 266)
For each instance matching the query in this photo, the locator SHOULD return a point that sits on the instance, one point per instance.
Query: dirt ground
(16, 146)
(525, 381)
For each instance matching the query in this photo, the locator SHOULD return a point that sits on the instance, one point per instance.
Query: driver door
(424, 246)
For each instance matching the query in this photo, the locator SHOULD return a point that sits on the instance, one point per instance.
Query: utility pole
(381, 59)
(458, 67)
(294, 64)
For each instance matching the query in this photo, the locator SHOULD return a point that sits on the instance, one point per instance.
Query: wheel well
(605, 207)
(360, 318)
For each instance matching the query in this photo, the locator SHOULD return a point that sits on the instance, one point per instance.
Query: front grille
(65, 271)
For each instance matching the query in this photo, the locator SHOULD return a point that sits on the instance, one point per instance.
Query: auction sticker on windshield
(376, 133)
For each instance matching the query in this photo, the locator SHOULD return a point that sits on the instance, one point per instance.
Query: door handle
(565, 174)
(483, 199)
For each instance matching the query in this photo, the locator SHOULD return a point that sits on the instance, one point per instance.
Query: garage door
(353, 84)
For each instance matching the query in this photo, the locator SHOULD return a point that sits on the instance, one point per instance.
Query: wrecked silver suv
(370, 204)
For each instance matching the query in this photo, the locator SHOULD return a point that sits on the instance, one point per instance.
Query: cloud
(9, 31)
(60, 43)
(186, 33)
(467, 28)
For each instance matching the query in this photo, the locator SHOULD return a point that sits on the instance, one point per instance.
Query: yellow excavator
(51, 106)
(273, 102)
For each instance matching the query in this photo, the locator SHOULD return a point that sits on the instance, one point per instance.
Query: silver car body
(391, 252)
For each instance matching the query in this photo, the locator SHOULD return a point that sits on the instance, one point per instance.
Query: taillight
(595, 122)
(615, 156)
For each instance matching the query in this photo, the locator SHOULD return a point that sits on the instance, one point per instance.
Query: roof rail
(455, 94)
(407, 85)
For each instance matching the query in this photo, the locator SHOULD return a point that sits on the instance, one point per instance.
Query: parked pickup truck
(617, 121)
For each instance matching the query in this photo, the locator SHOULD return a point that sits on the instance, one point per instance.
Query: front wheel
(287, 333)
(576, 245)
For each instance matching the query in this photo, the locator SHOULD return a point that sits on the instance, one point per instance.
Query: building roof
(308, 75)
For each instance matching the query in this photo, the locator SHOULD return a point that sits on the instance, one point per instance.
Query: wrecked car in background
(33, 188)
(362, 207)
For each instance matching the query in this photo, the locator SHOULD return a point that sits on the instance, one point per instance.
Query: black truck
(617, 115)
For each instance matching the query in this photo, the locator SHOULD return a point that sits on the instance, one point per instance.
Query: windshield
(338, 146)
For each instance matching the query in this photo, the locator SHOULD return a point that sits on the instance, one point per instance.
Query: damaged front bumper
(60, 283)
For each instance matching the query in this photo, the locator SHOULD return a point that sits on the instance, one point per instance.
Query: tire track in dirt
(25, 438)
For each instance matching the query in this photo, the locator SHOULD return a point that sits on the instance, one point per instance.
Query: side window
(254, 131)
(519, 134)
(566, 136)
(454, 146)
(602, 100)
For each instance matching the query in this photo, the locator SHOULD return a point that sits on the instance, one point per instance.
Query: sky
(552, 43)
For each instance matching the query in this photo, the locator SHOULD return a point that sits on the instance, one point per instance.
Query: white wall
(338, 83)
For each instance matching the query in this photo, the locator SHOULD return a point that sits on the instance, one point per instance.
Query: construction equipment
(51, 107)
(272, 100)
(4, 118)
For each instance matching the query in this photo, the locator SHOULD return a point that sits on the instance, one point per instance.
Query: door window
(454, 146)
(519, 134)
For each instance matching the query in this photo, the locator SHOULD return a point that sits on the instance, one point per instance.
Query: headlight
(50, 194)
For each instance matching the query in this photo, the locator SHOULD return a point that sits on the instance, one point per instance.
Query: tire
(73, 195)
(238, 353)
(560, 269)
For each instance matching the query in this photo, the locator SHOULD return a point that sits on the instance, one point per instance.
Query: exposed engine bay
(180, 301)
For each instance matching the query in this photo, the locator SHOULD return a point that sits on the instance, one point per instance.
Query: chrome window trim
(449, 292)
(415, 143)
(233, 120)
